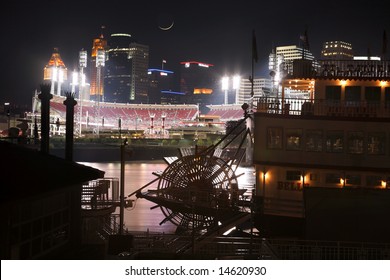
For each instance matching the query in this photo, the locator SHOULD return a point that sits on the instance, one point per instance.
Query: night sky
(218, 33)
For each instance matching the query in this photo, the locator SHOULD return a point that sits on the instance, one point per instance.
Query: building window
(372, 95)
(353, 180)
(333, 178)
(274, 137)
(376, 142)
(293, 175)
(335, 141)
(387, 97)
(355, 141)
(314, 140)
(352, 95)
(293, 139)
(373, 181)
(314, 177)
(332, 94)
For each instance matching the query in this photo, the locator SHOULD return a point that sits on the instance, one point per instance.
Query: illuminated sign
(203, 91)
(187, 64)
(203, 65)
(161, 71)
(172, 92)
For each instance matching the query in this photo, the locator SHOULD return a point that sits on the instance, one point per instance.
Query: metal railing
(354, 68)
(322, 107)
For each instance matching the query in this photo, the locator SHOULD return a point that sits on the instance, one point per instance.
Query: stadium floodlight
(236, 85)
(225, 87)
(100, 58)
(53, 79)
(83, 80)
(60, 80)
(54, 74)
(225, 83)
(83, 59)
(236, 82)
(75, 81)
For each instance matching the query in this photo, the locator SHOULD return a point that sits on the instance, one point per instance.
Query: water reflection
(138, 174)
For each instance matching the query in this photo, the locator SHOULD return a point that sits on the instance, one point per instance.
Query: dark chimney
(69, 103)
(45, 97)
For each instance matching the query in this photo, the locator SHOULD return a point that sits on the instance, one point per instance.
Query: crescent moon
(168, 27)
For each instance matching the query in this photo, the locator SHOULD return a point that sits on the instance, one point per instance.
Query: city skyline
(211, 33)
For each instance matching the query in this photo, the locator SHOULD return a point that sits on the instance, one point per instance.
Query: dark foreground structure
(40, 203)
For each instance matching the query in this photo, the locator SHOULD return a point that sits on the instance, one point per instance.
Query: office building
(99, 46)
(162, 88)
(339, 50)
(126, 79)
(261, 87)
(198, 82)
(281, 59)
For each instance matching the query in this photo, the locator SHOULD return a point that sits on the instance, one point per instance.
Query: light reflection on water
(138, 174)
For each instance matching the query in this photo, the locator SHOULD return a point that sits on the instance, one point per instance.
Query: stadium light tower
(82, 65)
(100, 61)
(60, 80)
(225, 88)
(236, 85)
(54, 71)
(75, 81)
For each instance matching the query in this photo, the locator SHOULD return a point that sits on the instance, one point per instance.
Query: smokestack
(69, 103)
(45, 97)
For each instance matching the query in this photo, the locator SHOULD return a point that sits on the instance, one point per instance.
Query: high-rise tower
(337, 50)
(126, 72)
(197, 81)
(97, 81)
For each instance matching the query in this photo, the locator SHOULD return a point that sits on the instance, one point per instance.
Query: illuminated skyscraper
(55, 71)
(97, 83)
(337, 50)
(126, 71)
(284, 56)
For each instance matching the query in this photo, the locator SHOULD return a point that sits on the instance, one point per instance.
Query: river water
(139, 173)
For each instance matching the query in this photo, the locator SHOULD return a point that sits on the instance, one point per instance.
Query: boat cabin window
(293, 175)
(293, 139)
(376, 142)
(372, 95)
(274, 137)
(332, 94)
(314, 140)
(374, 181)
(335, 141)
(355, 140)
(352, 95)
